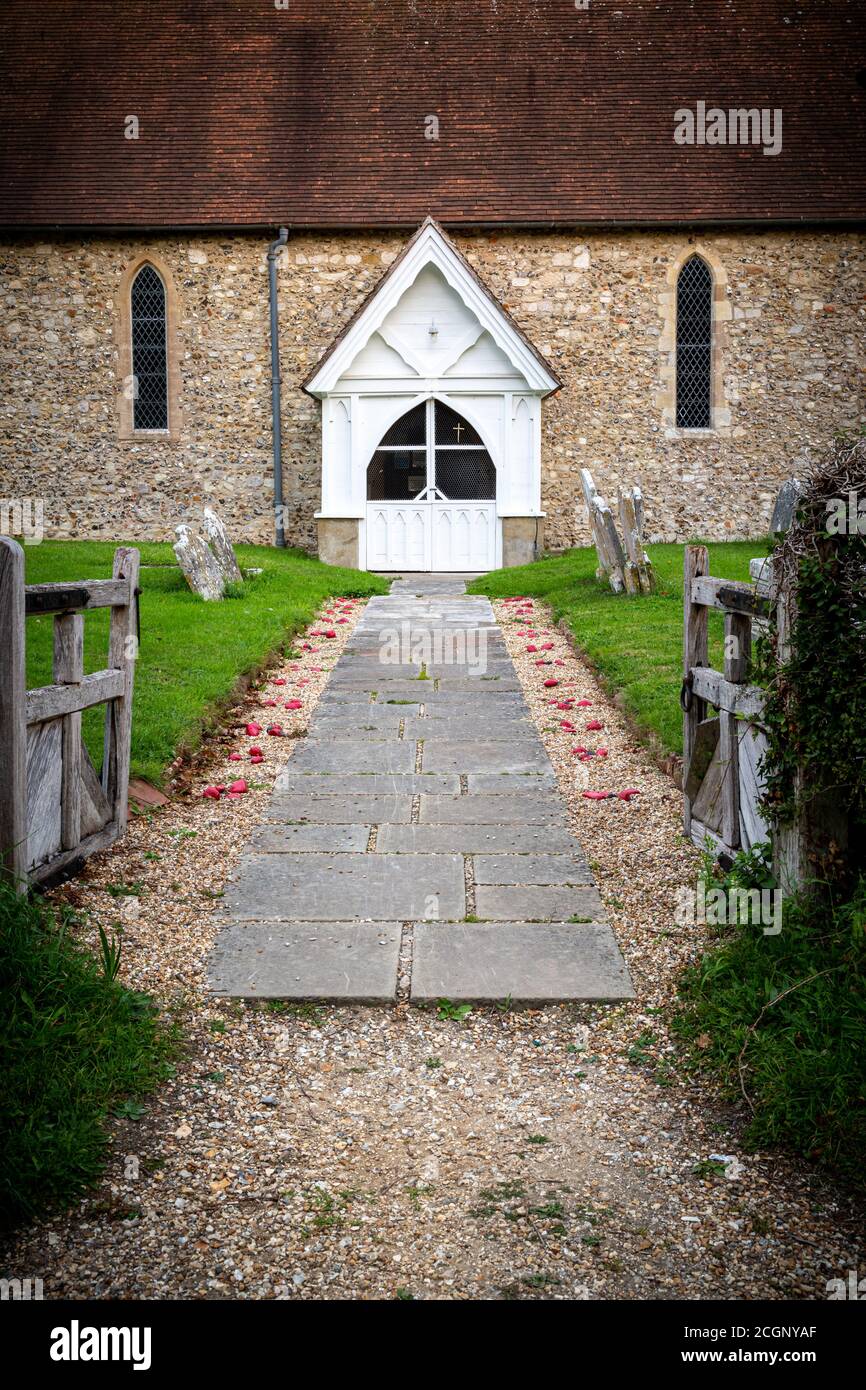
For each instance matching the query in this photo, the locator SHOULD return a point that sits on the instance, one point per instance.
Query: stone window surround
(123, 315)
(666, 399)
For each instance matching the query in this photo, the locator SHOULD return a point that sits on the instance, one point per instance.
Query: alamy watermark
(846, 516)
(21, 1290)
(853, 1288)
(723, 907)
(24, 517)
(737, 126)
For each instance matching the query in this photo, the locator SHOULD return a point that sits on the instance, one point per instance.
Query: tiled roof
(315, 115)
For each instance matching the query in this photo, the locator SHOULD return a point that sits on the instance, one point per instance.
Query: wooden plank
(730, 828)
(701, 833)
(13, 721)
(101, 840)
(704, 747)
(712, 687)
(53, 701)
(122, 654)
(696, 562)
(44, 780)
(707, 803)
(69, 670)
(752, 746)
(95, 810)
(71, 597)
(727, 594)
(738, 646)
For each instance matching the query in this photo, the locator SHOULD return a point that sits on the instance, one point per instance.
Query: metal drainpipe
(273, 251)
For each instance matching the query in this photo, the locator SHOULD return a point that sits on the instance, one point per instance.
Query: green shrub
(781, 1022)
(73, 1045)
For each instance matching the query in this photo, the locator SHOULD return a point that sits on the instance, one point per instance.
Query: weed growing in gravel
(455, 1013)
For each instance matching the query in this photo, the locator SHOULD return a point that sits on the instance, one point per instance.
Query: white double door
(431, 534)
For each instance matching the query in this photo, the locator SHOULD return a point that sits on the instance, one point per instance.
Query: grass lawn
(635, 642)
(191, 652)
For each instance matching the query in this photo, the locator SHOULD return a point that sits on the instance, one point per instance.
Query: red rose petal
(594, 724)
(294, 704)
(596, 796)
(552, 681)
(253, 729)
(628, 793)
(278, 680)
(584, 704)
(235, 757)
(238, 787)
(212, 793)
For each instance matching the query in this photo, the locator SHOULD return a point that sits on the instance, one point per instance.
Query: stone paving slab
(350, 962)
(531, 868)
(536, 904)
(319, 755)
(508, 728)
(527, 809)
(528, 963)
(273, 837)
(440, 755)
(472, 839)
(339, 810)
(506, 784)
(368, 783)
(337, 887)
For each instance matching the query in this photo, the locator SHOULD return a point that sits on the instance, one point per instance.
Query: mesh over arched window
(434, 452)
(149, 351)
(694, 345)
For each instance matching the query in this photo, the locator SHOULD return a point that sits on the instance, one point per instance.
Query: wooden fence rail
(54, 807)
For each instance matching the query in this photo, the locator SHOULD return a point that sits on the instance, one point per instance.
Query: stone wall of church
(791, 320)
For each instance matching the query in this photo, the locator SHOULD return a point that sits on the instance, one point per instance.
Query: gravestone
(221, 546)
(198, 563)
(785, 506)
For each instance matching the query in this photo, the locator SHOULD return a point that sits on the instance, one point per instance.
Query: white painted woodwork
(431, 330)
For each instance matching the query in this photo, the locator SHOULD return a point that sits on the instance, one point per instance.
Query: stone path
(416, 845)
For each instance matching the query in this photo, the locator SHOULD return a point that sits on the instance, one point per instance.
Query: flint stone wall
(597, 305)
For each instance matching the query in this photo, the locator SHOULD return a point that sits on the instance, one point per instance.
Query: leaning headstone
(218, 540)
(200, 568)
(788, 496)
(624, 562)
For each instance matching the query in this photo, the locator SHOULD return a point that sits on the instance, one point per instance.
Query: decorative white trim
(432, 248)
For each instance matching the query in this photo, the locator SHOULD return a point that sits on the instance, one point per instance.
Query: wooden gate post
(696, 561)
(13, 717)
(122, 654)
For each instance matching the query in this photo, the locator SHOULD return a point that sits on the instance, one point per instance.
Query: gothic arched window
(149, 351)
(694, 345)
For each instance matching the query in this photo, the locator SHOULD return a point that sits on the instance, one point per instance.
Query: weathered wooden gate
(722, 781)
(54, 807)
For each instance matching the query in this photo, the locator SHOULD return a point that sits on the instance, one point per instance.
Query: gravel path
(357, 1152)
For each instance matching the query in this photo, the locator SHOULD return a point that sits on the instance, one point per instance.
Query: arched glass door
(431, 489)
